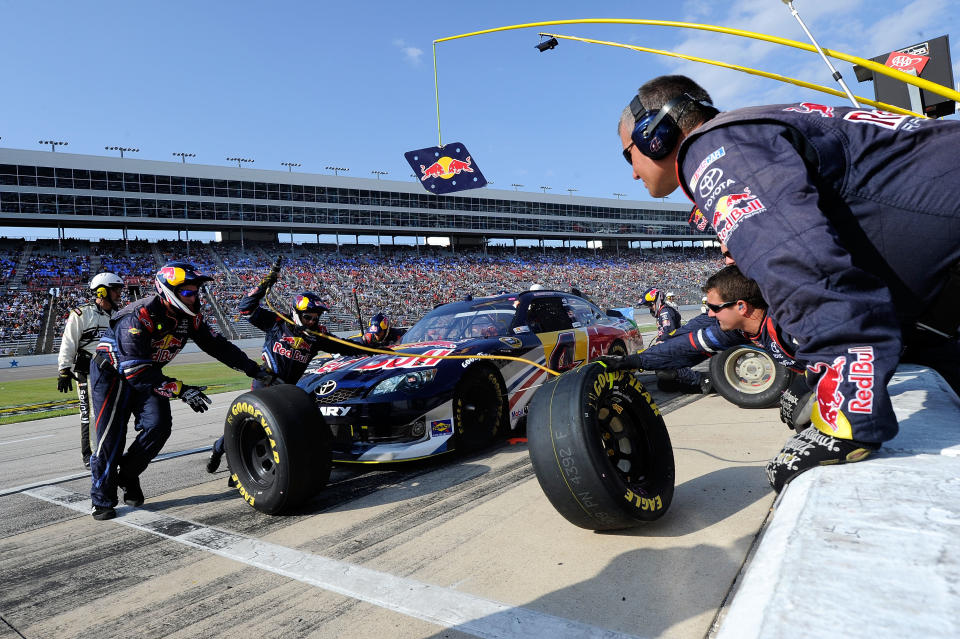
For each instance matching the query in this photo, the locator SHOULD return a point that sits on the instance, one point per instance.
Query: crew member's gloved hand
(796, 404)
(266, 377)
(64, 380)
(271, 278)
(621, 363)
(194, 397)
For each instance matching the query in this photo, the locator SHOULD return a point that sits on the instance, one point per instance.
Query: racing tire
(600, 449)
(278, 448)
(617, 348)
(479, 408)
(749, 377)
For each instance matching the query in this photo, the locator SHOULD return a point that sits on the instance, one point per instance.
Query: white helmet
(669, 296)
(102, 281)
(536, 287)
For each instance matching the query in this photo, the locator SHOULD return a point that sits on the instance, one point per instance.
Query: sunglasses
(627, 155)
(716, 308)
(311, 317)
(187, 293)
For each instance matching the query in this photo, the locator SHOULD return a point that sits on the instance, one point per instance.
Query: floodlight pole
(836, 74)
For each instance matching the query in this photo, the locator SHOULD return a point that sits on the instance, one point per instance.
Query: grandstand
(249, 209)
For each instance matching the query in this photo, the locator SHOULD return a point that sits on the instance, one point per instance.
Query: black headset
(656, 132)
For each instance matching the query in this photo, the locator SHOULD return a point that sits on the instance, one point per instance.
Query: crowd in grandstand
(403, 282)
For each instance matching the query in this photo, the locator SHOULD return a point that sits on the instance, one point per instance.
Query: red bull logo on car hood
(445, 169)
(733, 209)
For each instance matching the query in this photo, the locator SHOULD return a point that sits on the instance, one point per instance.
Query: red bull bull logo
(173, 275)
(446, 168)
(734, 208)
(810, 107)
(829, 397)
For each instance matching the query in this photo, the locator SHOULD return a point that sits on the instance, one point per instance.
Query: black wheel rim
(624, 443)
(256, 455)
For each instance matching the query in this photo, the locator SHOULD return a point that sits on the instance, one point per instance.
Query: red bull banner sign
(445, 169)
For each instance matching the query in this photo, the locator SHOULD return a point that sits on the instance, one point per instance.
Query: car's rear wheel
(617, 348)
(479, 408)
(600, 449)
(749, 377)
(278, 448)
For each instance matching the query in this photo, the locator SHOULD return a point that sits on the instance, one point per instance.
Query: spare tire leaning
(749, 377)
(278, 447)
(600, 449)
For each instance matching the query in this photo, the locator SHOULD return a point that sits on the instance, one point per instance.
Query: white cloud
(410, 54)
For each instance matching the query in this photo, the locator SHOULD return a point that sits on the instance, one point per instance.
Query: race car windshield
(463, 320)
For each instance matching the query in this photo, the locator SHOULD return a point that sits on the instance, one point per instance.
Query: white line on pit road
(441, 606)
(16, 441)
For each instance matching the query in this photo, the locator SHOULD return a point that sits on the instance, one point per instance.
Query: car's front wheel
(479, 408)
(278, 448)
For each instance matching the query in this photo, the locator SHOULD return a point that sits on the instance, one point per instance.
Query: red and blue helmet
(652, 297)
(170, 281)
(307, 302)
(378, 329)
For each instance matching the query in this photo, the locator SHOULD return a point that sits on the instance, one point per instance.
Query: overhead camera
(546, 45)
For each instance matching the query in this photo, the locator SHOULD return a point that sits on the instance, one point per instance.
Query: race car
(396, 407)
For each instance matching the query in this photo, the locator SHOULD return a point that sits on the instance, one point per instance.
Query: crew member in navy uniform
(127, 378)
(85, 325)
(847, 220)
(287, 348)
(672, 379)
(380, 332)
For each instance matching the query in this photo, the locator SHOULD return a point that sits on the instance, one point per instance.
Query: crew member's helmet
(103, 281)
(170, 281)
(307, 302)
(652, 297)
(536, 287)
(378, 329)
(669, 296)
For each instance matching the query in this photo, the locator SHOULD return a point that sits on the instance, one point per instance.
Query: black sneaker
(101, 513)
(810, 448)
(214, 462)
(132, 494)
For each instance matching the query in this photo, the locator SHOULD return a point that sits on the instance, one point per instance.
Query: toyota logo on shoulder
(326, 388)
(709, 180)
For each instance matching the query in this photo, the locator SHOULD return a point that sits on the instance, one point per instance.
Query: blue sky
(351, 84)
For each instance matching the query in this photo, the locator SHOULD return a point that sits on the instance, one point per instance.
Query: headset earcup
(101, 291)
(659, 142)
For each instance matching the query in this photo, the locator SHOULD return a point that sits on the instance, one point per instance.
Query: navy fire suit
(127, 378)
(702, 337)
(848, 221)
(668, 320)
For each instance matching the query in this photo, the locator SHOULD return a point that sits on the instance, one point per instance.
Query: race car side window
(581, 311)
(548, 314)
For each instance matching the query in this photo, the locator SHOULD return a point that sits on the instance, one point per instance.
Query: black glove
(796, 404)
(64, 380)
(271, 278)
(622, 363)
(194, 397)
(266, 377)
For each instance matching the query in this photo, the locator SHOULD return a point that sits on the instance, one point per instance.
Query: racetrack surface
(458, 547)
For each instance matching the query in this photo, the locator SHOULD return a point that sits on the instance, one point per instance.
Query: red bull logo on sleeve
(446, 169)
(810, 107)
(733, 209)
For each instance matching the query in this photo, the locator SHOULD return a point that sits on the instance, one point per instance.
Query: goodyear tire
(600, 449)
(479, 408)
(749, 377)
(278, 448)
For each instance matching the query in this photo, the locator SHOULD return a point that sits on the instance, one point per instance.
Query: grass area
(214, 375)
